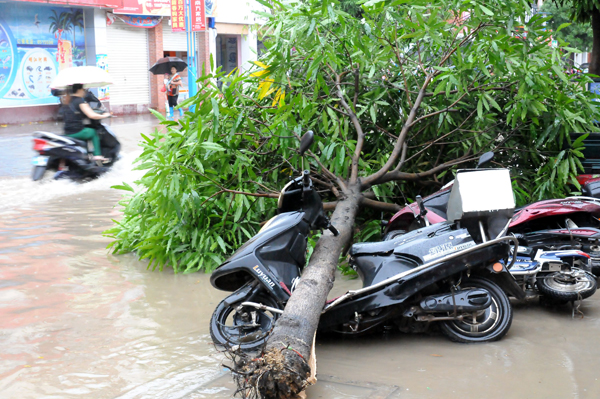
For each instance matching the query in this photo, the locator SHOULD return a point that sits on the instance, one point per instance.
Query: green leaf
(486, 10)
(212, 146)
(373, 112)
(158, 115)
(562, 26)
(123, 186)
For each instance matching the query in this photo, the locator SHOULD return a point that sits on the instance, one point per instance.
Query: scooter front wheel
(246, 326)
(565, 287)
(487, 325)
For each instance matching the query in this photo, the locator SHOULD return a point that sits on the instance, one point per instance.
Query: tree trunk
(283, 369)
(595, 61)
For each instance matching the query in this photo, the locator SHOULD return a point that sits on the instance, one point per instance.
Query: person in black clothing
(74, 114)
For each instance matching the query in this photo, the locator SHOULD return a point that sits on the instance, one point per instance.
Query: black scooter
(77, 154)
(448, 273)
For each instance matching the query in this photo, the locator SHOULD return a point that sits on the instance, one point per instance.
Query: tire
(226, 324)
(38, 172)
(495, 320)
(566, 287)
(394, 234)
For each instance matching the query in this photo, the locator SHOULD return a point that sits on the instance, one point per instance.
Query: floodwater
(78, 322)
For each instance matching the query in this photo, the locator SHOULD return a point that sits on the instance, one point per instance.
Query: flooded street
(78, 322)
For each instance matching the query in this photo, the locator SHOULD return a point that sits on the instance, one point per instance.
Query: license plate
(40, 161)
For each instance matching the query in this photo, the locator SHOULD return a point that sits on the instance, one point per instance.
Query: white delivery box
(481, 193)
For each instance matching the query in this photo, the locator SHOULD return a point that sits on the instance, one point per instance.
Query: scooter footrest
(464, 301)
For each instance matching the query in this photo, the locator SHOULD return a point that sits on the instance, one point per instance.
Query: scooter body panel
(75, 153)
(422, 282)
(408, 251)
(275, 257)
(580, 232)
(554, 207)
(437, 204)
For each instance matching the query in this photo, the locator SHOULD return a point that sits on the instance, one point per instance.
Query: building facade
(125, 37)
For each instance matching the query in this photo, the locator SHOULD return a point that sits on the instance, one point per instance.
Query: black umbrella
(164, 65)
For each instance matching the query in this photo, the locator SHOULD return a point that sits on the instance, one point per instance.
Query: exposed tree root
(270, 376)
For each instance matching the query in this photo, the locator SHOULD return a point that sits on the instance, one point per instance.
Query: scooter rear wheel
(234, 324)
(488, 325)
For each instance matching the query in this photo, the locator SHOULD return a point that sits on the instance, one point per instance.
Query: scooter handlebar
(333, 230)
(306, 177)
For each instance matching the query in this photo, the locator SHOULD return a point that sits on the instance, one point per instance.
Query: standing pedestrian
(173, 91)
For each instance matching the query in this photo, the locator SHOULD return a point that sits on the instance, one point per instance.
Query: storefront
(36, 42)
(128, 66)
(125, 37)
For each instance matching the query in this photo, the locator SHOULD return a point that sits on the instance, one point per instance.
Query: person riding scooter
(75, 113)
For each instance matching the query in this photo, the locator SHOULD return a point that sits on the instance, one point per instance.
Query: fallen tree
(396, 98)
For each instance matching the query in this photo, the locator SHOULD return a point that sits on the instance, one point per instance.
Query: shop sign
(177, 16)
(86, 3)
(145, 7)
(36, 42)
(140, 21)
(198, 16)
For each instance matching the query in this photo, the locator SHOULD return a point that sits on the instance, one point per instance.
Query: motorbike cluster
(451, 259)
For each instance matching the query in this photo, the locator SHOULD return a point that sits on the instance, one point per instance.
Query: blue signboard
(36, 42)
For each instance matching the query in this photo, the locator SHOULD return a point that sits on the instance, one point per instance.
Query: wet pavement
(78, 322)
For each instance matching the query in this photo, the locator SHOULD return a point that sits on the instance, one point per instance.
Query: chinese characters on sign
(145, 7)
(198, 16)
(178, 15)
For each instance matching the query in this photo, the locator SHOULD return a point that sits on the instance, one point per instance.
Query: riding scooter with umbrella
(170, 66)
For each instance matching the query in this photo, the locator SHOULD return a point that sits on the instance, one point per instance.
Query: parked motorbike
(557, 224)
(560, 276)
(448, 273)
(76, 154)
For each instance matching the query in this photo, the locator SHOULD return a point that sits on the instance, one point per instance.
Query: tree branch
(226, 190)
(359, 131)
(397, 175)
(375, 177)
(356, 85)
(447, 109)
(381, 206)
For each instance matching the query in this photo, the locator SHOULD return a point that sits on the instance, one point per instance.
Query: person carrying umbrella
(166, 66)
(173, 91)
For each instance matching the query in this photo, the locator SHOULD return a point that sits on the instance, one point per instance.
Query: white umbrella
(88, 76)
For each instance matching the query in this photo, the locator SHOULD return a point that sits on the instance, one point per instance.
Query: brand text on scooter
(263, 276)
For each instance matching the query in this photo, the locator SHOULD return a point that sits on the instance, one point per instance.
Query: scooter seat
(60, 139)
(80, 143)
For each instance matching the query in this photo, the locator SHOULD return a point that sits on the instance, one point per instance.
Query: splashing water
(22, 191)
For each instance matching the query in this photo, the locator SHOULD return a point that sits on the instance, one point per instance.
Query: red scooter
(557, 224)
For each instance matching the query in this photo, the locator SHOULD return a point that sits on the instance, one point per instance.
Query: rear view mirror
(306, 141)
(485, 158)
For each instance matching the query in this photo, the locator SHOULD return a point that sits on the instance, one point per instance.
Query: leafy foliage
(577, 35)
(581, 10)
(397, 99)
